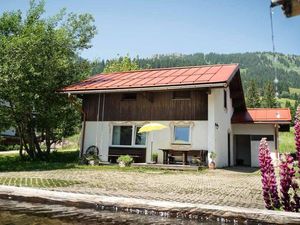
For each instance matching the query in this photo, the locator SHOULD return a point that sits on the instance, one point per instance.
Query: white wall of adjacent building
(10, 132)
(256, 129)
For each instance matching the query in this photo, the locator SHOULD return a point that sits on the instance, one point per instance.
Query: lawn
(287, 141)
(282, 101)
(294, 90)
(67, 160)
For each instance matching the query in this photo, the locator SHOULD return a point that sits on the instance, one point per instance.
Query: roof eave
(262, 122)
(135, 89)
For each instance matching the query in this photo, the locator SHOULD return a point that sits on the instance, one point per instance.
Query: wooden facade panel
(146, 107)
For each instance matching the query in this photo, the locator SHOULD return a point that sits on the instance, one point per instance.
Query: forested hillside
(257, 66)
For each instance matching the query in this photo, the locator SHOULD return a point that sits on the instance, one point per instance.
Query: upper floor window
(129, 96)
(225, 99)
(182, 134)
(181, 95)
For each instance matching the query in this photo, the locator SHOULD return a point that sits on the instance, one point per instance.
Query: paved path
(142, 206)
(237, 188)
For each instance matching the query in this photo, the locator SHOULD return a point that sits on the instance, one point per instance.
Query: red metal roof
(166, 77)
(263, 115)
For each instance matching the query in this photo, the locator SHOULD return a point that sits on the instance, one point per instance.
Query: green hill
(256, 65)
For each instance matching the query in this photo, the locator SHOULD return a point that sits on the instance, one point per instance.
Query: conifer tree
(252, 95)
(269, 99)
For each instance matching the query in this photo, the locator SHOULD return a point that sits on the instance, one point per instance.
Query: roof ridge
(169, 68)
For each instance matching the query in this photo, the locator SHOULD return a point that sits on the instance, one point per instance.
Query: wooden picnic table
(184, 152)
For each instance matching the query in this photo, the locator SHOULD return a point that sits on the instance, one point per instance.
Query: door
(243, 150)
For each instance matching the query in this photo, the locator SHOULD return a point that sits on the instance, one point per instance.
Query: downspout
(79, 109)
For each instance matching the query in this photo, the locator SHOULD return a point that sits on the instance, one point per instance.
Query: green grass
(287, 141)
(73, 142)
(68, 160)
(57, 160)
(283, 100)
(36, 182)
(294, 90)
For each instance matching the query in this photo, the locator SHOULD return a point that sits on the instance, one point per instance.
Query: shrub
(154, 156)
(213, 156)
(126, 159)
(3, 148)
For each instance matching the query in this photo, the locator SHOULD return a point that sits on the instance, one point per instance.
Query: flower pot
(212, 165)
(92, 162)
(122, 164)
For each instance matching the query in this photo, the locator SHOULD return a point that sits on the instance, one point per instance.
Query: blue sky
(147, 27)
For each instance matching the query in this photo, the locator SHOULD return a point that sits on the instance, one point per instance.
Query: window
(122, 135)
(225, 99)
(182, 134)
(140, 138)
(181, 95)
(128, 136)
(129, 97)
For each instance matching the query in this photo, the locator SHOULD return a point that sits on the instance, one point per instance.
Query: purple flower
(288, 185)
(270, 193)
(297, 136)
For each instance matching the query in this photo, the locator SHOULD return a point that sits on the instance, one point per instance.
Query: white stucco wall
(161, 139)
(256, 129)
(217, 114)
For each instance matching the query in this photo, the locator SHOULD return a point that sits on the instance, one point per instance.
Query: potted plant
(124, 160)
(154, 157)
(212, 164)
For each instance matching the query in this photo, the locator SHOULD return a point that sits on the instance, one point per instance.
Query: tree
(38, 56)
(121, 64)
(269, 99)
(252, 95)
(288, 104)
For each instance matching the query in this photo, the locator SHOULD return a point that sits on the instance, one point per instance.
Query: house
(203, 108)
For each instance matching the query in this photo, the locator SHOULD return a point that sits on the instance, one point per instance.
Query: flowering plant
(270, 193)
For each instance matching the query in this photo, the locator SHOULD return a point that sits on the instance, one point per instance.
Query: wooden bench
(138, 154)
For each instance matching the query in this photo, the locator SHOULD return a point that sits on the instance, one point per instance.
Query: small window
(225, 99)
(181, 134)
(181, 95)
(129, 97)
(140, 138)
(122, 135)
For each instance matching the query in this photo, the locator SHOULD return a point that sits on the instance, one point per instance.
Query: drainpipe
(79, 109)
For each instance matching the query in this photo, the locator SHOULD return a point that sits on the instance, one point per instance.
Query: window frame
(189, 142)
(133, 137)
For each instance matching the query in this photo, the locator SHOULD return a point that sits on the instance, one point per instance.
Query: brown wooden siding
(146, 107)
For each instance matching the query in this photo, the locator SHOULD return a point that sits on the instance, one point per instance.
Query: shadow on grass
(57, 160)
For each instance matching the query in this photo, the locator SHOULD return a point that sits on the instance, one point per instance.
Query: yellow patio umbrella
(147, 128)
(151, 127)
